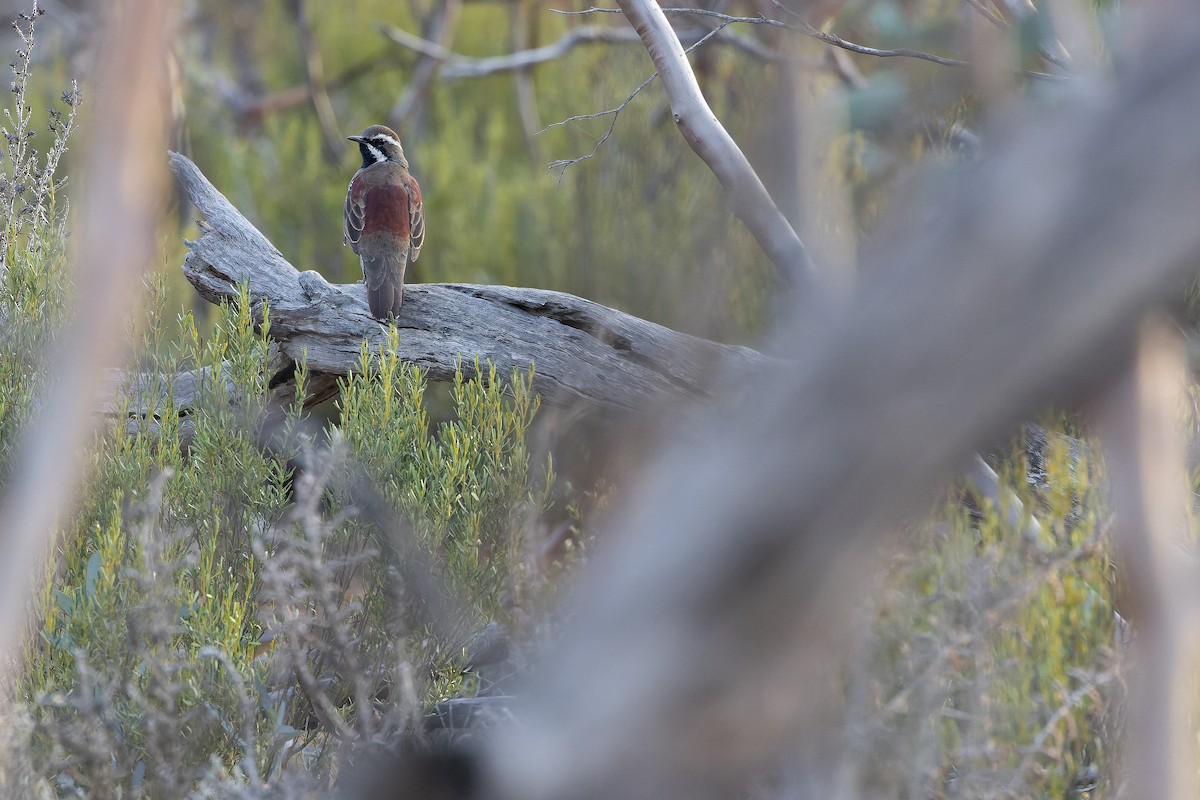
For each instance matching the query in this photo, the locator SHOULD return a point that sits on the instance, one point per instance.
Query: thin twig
(562, 164)
(988, 14)
(314, 79)
(801, 26)
(837, 41)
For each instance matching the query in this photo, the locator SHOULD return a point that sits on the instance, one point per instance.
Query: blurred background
(264, 92)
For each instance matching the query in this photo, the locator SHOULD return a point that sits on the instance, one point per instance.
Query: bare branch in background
(314, 78)
(250, 107)
(988, 14)
(113, 243)
(459, 66)
(520, 27)
(705, 134)
(440, 28)
(801, 26)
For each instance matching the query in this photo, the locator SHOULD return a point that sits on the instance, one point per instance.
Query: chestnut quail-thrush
(384, 222)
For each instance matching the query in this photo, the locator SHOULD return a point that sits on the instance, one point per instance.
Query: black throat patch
(371, 154)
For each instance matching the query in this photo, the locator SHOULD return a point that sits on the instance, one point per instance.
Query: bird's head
(377, 144)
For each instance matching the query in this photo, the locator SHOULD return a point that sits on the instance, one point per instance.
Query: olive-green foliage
(459, 478)
(156, 567)
(993, 670)
(642, 226)
(147, 644)
(150, 619)
(32, 294)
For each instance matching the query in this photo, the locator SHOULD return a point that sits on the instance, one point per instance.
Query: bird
(383, 220)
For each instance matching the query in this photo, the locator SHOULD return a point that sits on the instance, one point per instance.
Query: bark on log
(582, 352)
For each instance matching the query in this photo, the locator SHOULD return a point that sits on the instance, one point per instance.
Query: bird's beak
(354, 138)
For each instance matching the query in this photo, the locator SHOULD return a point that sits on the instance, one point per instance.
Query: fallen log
(583, 353)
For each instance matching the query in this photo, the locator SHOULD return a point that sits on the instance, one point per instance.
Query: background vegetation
(496, 213)
(220, 620)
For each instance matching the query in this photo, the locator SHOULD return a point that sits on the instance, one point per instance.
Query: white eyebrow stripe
(376, 152)
(385, 138)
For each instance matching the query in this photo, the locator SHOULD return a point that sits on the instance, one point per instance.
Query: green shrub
(992, 669)
(150, 639)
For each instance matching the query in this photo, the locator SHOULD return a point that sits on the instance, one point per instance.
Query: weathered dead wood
(582, 352)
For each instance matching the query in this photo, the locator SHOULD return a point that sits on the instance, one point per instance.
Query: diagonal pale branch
(583, 353)
(706, 136)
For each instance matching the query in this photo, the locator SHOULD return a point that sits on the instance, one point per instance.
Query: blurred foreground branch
(706, 642)
(1147, 459)
(113, 243)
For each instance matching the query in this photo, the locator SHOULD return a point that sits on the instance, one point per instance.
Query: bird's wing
(416, 218)
(354, 214)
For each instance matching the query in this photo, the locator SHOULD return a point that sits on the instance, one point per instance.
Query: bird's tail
(384, 277)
